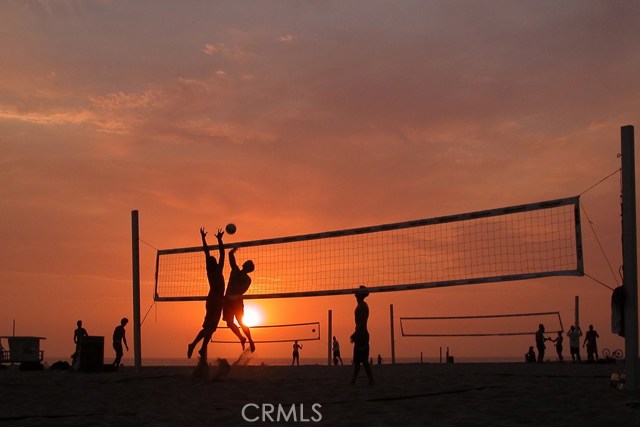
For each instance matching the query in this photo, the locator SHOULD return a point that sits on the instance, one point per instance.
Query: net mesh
(512, 243)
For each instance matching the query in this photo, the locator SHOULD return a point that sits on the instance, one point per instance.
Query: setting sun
(253, 315)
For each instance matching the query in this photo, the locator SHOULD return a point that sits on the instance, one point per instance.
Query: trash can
(91, 354)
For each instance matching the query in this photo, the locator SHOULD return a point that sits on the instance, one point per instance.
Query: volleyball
(230, 228)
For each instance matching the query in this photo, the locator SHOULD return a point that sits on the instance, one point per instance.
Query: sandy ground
(500, 394)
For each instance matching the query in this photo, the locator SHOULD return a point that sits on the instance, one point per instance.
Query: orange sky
(293, 117)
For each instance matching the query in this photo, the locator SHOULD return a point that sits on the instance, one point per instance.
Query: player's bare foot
(190, 350)
(252, 346)
(243, 340)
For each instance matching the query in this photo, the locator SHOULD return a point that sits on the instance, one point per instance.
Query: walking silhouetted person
(336, 352)
(120, 338)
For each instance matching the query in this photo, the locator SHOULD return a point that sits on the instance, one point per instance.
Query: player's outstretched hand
(202, 232)
(219, 234)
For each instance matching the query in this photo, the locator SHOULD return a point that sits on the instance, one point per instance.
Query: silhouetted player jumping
(239, 282)
(214, 298)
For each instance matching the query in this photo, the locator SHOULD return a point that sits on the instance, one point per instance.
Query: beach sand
(491, 394)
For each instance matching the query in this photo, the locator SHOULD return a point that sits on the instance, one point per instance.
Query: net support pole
(393, 338)
(577, 311)
(629, 257)
(329, 336)
(135, 257)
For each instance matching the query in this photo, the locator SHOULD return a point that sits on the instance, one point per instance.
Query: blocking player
(239, 282)
(215, 297)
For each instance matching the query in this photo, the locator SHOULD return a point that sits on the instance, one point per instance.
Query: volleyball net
(505, 244)
(308, 331)
(488, 325)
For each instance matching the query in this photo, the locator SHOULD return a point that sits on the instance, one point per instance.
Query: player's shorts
(574, 350)
(360, 353)
(212, 317)
(360, 347)
(233, 307)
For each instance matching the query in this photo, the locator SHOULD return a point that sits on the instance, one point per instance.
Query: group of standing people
(230, 305)
(574, 334)
(335, 345)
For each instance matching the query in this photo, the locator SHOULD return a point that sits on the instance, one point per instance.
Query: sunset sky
(291, 117)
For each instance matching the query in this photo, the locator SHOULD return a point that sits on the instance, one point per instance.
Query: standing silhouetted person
(540, 339)
(213, 305)
(360, 338)
(78, 335)
(574, 335)
(558, 342)
(118, 339)
(239, 282)
(591, 343)
(336, 352)
(296, 353)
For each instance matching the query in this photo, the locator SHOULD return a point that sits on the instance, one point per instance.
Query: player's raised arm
(219, 235)
(232, 259)
(205, 247)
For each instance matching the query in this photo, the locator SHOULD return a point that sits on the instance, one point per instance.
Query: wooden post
(135, 252)
(629, 257)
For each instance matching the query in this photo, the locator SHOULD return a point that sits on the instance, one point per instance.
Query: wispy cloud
(123, 101)
(287, 38)
(49, 118)
(234, 53)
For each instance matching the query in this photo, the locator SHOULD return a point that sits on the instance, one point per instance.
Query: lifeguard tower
(21, 350)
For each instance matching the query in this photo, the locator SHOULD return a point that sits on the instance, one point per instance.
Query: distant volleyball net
(489, 325)
(308, 331)
(511, 243)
